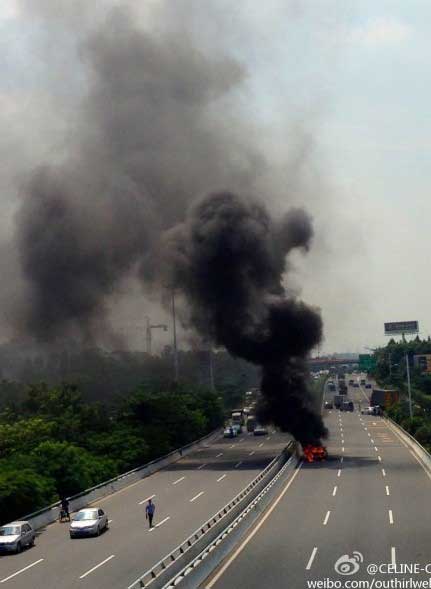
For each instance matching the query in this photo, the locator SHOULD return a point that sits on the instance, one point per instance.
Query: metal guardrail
(112, 485)
(175, 560)
(420, 452)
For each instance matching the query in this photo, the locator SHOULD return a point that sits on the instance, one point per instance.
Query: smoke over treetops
(154, 135)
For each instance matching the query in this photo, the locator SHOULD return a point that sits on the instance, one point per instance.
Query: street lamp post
(149, 329)
(409, 385)
(175, 337)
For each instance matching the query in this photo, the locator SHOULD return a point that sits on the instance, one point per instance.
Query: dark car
(368, 386)
(347, 406)
(329, 405)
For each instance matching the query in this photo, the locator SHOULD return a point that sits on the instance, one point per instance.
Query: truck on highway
(251, 423)
(384, 398)
(342, 388)
(238, 416)
(338, 401)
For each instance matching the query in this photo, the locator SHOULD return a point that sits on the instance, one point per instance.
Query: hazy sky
(343, 83)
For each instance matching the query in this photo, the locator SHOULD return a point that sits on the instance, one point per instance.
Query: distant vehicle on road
(368, 385)
(384, 397)
(347, 406)
(363, 381)
(338, 400)
(356, 385)
(371, 410)
(230, 432)
(351, 382)
(331, 387)
(329, 405)
(260, 430)
(238, 416)
(88, 522)
(238, 428)
(16, 536)
(251, 423)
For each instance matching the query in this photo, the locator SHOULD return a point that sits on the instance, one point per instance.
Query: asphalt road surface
(186, 494)
(370, 497)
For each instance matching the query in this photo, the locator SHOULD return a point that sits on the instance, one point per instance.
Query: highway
(186, 494)
(370, 496)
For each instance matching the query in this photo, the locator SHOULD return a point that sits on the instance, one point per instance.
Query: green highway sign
(367, 362)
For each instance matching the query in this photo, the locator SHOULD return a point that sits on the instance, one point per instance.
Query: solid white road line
(97, 566)
(238, 464)
(201, 466)
(221, 478)
(391, 517)
(372, 441)
(178, 481)
(260, 445)
(22, 570)
(197, 496)
(339, 472)
(160, 523)
(393, 556)
(310, 560)
(218, 455)
(380, 458)
(387, 490)
(254, 532)
(383, 472)
(145, 500)
(334, 492)
(376, 449)
(342, 449)
(325, 521)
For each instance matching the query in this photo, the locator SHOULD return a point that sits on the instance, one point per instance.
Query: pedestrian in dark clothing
(150, 509)
(64, 509)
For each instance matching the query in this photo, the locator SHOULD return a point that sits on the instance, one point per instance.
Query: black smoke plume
(228, 258)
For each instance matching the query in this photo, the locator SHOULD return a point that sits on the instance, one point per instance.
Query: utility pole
(175, 337)
(409, 385)
(211, 370)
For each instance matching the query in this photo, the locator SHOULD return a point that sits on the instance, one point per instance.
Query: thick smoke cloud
(228, 258)
(153, 136)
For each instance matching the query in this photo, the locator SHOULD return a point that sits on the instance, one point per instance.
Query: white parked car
(88, 522)
(16, 536)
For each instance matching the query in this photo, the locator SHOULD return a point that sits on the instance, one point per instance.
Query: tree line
(391, 372)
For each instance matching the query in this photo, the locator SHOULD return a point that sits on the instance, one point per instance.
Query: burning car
(314, 453)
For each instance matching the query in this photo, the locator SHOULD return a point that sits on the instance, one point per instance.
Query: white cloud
(381, 31)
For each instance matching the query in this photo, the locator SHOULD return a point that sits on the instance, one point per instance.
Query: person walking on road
(149, 510)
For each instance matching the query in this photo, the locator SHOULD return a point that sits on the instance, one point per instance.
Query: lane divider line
(238, 464)
(197, 496)
(334, 492)
(339, 472)
(22, 570)
(251, 453)
(221, 478)
(160, 523)
(383, 472)
(325, 521)
(97, 566)
(178, 481)
(201, 466)
(387, 490)
(145, 500)
(311, 559)
(265, 516)
(218, 455)
(393, 556)
(391, 517)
